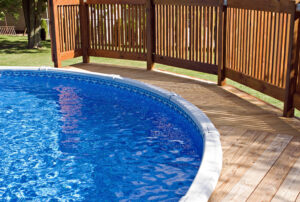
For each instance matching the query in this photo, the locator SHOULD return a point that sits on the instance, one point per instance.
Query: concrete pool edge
(208, 174)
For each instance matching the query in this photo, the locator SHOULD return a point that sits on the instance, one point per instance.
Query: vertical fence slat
(66, 28)
(279, 49)
(276, 56)
(267, 46)
(97, 28)
(211, 34)
(242, 62)
(70, 27)
(144, 27)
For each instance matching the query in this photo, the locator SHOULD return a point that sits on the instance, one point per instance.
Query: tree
(33, 10)
(9, 6)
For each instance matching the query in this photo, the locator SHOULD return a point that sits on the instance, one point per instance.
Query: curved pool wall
(208, 174)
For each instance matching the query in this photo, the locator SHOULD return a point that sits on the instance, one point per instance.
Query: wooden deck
(261, 150)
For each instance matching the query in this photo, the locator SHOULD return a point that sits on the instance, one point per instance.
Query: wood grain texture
(290, 188)
(243, 189)
(239, 152)
(274, 178)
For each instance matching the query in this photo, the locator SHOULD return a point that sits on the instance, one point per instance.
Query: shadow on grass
(20, 46)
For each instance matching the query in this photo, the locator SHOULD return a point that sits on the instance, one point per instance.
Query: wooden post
(150, 34)
(84, 29)
(293, 58)
(222, 44)
(55, 42)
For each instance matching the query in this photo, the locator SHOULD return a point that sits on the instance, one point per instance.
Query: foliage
(44, 29)
(9, 7)
(2, 15)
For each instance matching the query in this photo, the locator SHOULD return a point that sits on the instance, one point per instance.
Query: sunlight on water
(64, 139)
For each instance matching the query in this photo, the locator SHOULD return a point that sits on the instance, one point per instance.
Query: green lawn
(13, 52)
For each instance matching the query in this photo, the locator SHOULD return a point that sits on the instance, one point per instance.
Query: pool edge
(209, 171)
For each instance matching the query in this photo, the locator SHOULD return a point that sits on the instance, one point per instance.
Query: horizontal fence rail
(255, 43)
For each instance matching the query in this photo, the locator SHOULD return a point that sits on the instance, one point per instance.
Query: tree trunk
(32, 14)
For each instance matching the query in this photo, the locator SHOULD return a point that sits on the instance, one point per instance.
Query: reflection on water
(70, 106)
(71, 111)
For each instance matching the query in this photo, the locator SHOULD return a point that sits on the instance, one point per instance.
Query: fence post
(222, 44)
(150, 34)
(293, 59)
(55, 43)
(84, 29)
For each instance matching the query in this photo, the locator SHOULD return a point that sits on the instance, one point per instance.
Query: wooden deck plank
(228, 141)
(289, 190)
(242, 190)
(238, 161)
(272, 181)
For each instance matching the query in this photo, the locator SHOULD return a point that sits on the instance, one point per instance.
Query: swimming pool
(69, 135)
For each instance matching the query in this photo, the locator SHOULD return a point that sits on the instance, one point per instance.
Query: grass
(13, 52)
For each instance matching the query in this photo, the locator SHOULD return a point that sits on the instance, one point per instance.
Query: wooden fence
(186, 34)
(255, 42)
(66, 30)
(117, 29)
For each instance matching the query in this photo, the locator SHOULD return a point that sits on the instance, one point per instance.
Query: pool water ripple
(64, 139)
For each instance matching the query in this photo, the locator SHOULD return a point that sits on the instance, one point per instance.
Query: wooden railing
(65, 30)
(187, 34)
(257, 45)
(255, 42)
(117, 29)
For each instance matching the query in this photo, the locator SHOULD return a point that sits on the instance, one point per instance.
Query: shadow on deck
(261, 149)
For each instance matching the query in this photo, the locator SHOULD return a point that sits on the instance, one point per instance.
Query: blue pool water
(75, 138)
